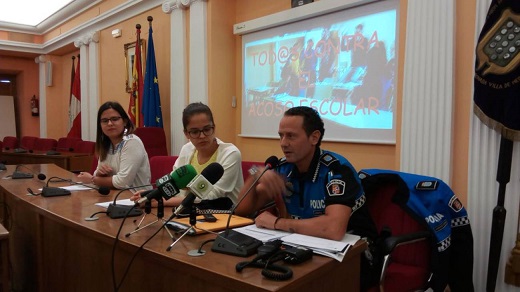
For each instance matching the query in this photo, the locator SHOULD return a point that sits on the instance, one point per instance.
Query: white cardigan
(230, 158)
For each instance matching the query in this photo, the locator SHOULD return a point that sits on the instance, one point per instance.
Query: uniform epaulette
(427, 185)
(327, 159)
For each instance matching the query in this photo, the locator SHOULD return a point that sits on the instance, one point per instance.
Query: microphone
(102, 190)
(70, 149)
(20, 150)
(185, 204)
(199, 186)
(203, 183)
(115, 211)
(169, 185)
(21, 175)
(235, 243)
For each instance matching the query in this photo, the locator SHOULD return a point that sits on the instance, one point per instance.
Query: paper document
(326, 247)
(262, 234)
(331, 248)
(76, 188)
(125, 202)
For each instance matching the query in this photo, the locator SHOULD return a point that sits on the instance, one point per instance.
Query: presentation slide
(342, 64)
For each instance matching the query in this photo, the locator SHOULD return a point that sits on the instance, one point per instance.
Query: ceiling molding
(111, 17)
(61, 16)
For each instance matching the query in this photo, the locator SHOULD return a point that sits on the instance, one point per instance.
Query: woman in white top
(123, 161)
(203, 149)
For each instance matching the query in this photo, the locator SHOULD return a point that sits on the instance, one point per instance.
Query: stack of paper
(331, 248)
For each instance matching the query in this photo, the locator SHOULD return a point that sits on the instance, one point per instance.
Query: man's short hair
(311, 120)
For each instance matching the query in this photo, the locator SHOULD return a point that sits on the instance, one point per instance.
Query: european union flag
(151, 99)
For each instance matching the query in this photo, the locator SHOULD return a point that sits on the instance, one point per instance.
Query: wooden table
(53, 248)
(68, 160)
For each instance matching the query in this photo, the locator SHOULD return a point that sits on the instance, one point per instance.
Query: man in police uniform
(315, 190)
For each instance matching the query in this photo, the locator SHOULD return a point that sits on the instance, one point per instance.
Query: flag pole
(151, 107)
(505, 157)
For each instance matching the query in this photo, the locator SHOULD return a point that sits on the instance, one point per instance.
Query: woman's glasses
(112, 119)
(207, 131)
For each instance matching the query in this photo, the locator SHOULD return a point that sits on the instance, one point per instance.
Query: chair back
(424, 233)
(85, 147)
(94, 164)
(67, 143)
(410, 261)
(28, 142)
(154, 140)
(10, 142)
(45, 144)
(161, 165)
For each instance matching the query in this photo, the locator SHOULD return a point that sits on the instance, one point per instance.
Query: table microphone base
(115, 211)
(235, 243)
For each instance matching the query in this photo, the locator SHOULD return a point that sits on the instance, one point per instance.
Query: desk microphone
(70, 149)
(21, 175)
(116, 211)
(170, 185)
(102, 190)
(236, 243)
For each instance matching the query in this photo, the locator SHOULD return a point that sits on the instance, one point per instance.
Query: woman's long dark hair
(102, 141)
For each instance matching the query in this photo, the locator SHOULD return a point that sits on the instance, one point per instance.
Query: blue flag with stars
(151, 99)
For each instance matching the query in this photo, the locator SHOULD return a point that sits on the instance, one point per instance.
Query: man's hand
(271, 185)
(266, 220)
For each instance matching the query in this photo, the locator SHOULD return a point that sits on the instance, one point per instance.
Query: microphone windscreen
(42, 176)
(183, 175)
(213, 172)
(272, 162)
(104, 190)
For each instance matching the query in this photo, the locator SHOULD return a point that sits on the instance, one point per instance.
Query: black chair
(424, 239)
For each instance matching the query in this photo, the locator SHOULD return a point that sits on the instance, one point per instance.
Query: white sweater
(230, 158)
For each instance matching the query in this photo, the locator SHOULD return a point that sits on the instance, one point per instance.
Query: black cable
(136, 252)
(207, 241)
(114, 282)
(33, 193)
(265, 262)
(100, 212)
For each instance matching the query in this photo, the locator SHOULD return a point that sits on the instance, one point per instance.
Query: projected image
(342, 66)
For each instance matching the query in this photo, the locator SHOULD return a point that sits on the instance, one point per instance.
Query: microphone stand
(147, 210)
(193, 222)
(233, 242)
(160, 215)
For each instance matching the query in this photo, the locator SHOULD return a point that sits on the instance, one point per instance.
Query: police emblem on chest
(336, 187)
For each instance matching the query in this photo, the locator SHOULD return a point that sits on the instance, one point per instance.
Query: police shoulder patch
(336, 187)
(455, 204)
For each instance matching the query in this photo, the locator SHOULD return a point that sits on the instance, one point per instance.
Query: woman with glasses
(123, 161)
(203, 149)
